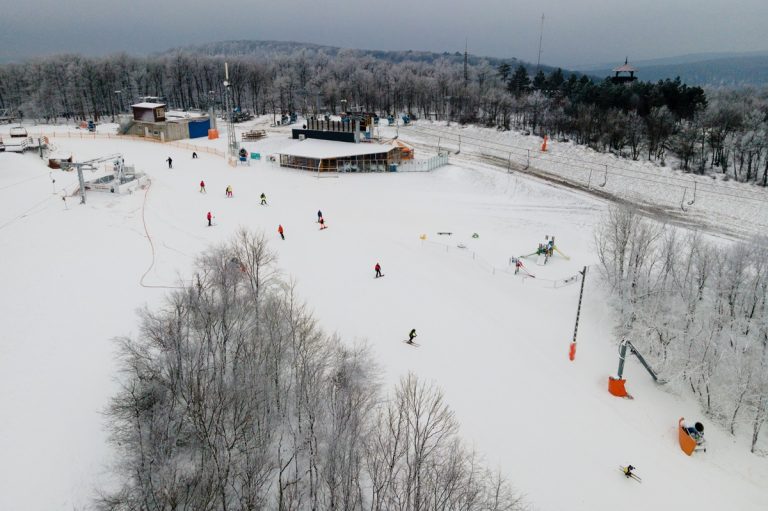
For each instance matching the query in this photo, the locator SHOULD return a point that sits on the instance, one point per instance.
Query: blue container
(393, 167)
(199, 129)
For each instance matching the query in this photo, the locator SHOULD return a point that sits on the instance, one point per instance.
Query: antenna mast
(541, 36)
(466, 72)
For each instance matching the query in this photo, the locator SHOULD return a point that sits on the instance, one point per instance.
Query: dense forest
(718, 132)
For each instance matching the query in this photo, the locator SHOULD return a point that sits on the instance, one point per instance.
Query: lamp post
(344, 106)
(447, 110)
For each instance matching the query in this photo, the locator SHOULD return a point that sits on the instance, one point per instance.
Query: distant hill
(713, 69)
(266, 49)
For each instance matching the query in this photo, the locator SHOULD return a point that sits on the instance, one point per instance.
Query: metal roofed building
(332, 156)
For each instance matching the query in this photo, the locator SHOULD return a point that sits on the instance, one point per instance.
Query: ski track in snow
(496, 343)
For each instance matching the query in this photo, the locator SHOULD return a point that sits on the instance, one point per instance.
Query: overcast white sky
(576, 32)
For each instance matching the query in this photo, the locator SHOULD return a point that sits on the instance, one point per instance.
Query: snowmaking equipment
(616, 385)
(691, 439)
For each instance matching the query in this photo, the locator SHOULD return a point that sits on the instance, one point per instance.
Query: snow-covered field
(496, 343)
(730, 208)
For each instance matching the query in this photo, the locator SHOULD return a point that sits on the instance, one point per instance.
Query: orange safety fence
(180, 145)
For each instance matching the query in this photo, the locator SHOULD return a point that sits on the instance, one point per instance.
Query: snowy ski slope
(495, 342)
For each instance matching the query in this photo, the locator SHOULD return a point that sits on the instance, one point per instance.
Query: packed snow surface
(496, 343)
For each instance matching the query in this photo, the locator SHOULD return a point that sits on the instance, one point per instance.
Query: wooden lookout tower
(625, 73)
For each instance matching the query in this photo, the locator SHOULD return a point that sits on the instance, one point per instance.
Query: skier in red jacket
(209, 216)
(378, 270)
(202, 187)
(280, 230)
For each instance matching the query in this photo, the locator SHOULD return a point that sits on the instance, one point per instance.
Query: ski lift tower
(117, 160)
(231, 139)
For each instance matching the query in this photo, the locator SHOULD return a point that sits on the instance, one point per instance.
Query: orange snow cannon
(687, 443)
(616, 387)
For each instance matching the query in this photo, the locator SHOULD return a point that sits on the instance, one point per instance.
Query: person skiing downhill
(322, 224)
(209, 216)
(280, 230)
(170, 162)
(628, 470)
(202, 187)
(194, 155)
(319, 215)
(229, 191)
(263, 200)
(411, 336)
(378, 270)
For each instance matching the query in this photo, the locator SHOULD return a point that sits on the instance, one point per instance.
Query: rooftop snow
(148, 105)
(313, 148)
(625, 68)
(185, 115)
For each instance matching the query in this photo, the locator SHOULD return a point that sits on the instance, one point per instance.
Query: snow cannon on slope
(691, 438)
(616, 385)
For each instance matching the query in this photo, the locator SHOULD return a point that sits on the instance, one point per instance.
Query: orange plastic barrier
(213, 134)
(544, 145)
(616, 387)
(572, 351)
(687, 444)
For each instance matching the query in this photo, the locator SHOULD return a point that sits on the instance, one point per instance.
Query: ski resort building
(333, 156)
(153, 120)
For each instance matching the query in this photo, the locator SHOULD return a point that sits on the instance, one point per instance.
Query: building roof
(147, 105)
(314, 148)
(625, 68)
(180, 114)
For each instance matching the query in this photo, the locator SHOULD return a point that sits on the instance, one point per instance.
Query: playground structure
(545, 251)
(616, 385)
(691, 439)
(122, 179)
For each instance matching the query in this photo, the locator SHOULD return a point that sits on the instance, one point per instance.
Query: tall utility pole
(466, 72)
(541, 36)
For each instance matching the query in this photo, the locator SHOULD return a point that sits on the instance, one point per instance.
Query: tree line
(233, 398)
(724, 133)
(697, 310)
